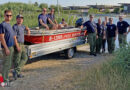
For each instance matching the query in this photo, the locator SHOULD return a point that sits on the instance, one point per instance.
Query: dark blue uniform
(111, 34)
(122, 28)
(6, 29)
(52, 18)
(100, 38)
(111, 30)
(43, 18)
(91, 30)
(90, 26)
(20, 58)
(19, 32)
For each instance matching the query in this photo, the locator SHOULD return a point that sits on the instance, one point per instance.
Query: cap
(19, 16)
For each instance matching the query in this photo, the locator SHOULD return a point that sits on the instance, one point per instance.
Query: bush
(112, 75)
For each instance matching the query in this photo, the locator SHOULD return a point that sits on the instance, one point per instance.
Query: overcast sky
(71, 2)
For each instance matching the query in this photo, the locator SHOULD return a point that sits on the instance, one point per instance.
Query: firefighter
(122, 31)
(111, 35)
(7, 40)
(20, 56)
(92, 34)
(100, 36)
(43, 20)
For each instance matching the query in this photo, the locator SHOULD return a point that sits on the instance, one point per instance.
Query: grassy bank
(30, 13)
(112, 75)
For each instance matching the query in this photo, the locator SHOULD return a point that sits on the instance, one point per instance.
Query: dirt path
(52, 72)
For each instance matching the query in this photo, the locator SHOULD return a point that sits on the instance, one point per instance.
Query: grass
(111, 75)
(30, 13)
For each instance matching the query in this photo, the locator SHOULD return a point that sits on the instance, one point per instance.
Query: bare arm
(16, 44)
(116, 32)
(55, 22)
(104, 33)
(28, 30)
(7, 52)
(96, 33)
(43, 24)
(50, 21)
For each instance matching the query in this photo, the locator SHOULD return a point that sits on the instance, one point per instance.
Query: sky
(71, 2)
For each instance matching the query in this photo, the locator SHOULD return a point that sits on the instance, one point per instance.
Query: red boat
(44, 36)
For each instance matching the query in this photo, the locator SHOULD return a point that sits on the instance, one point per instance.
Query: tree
(93, 11)
(107, 11)
(53, 6)
(56, 7)
(43, 5)
(117, 10)
(36, 4)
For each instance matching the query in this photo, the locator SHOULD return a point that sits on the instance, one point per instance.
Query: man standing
(106, 20)
(100, 36)
(7, 41)
(104, 36)
(92, 34)
(43, 18)
(111, 35)
(122, 31)
(20, 56)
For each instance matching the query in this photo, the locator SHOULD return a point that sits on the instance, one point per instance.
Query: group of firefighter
(12, 44)
(12, 38)
(12, 41)
(102, 31)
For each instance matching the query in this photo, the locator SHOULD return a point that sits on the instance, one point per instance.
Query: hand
(47, 27)
(18, 49)
(26, 28)
(28, 32)
(81, 26)
(96, 36)
(114, 38)
(7, 52)
(125, 33)
(104, 37)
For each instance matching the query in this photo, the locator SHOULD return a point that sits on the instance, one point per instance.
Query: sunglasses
(9, 15)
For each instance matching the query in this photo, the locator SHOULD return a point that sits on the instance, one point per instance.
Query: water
(115, 20)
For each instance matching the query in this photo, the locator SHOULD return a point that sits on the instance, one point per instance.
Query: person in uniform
(20, 55)
(100, 36)
(104, 37)
(7, 40)
(92, 34)
(63, 24)
(106, 20)
(51, 16)
(122, 31)
(111, 35)
(43, 19)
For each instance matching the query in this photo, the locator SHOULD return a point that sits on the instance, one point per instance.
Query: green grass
(112, 75)
(30, 13)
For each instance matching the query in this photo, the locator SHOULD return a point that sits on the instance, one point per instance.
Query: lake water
(115, 20)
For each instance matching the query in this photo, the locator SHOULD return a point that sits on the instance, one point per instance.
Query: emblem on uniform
(111, 27)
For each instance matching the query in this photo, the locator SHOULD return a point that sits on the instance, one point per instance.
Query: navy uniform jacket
(100, 30)
(91, 26)
(111, 30)
(122, 27)
(6, 29)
